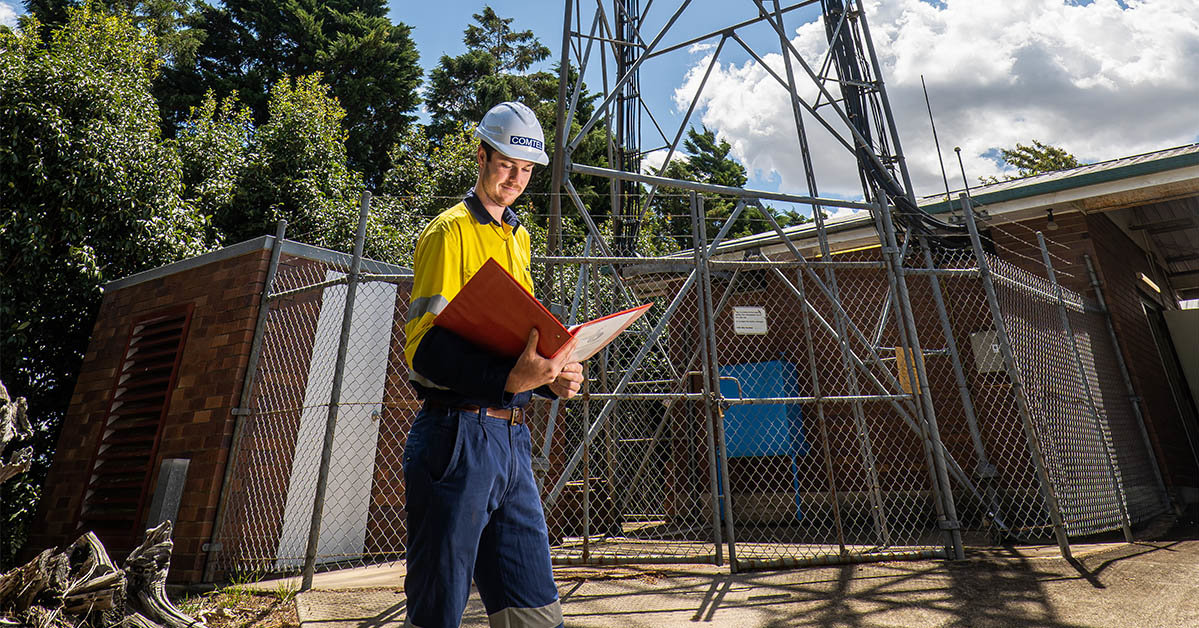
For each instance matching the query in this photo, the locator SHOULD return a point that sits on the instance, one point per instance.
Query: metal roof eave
(1031, 193)
(290, 247)
(1090, 175)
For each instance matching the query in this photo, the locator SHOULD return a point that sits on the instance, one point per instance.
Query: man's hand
(532, 371)
(568, 382)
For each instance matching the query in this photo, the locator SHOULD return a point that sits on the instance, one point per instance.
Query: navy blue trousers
(473, 510)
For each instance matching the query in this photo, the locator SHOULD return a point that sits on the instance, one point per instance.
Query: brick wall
(198, 425)
(999, 424)
(1118, 260)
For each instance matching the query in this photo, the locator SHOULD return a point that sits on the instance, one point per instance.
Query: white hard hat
(513, 129)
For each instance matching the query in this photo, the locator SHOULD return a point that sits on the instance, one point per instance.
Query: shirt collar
(480, 213)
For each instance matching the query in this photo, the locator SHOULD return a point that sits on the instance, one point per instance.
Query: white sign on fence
(749, 320)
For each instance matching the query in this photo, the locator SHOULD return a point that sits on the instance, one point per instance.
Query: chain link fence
(767, 411)
(1099, 466)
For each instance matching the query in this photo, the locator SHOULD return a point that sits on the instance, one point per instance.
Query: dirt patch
(227, 608)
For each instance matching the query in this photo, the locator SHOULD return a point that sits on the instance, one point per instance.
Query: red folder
(493, 310)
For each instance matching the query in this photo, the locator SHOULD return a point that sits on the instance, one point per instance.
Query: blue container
(768, 429)
(762, 430)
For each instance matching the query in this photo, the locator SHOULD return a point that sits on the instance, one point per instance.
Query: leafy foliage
(707, 160)
(168, 21)
(293, 167)
(1038, 158)
(514, 50)
(371, 65)
(214, 148)
(89, 192)
(1035, 159)
(424, 179)
(296, 169)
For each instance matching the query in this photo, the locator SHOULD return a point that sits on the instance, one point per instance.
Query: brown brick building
(152, 418)
(1136, 219)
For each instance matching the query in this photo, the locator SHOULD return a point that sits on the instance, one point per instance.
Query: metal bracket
(949, 524)
(241, 412)
(210, 547)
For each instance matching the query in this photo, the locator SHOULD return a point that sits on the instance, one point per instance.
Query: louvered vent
(116, 491)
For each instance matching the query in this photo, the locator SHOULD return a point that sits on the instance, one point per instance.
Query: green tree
(296, 169)
(214, 148)
(1035, 159)
(491, 71)
(89, 192)
(371, 65)
(293, 166)
(1038, 158)
(168, 21)
(514, 50)
(706, 159)
(424, 179)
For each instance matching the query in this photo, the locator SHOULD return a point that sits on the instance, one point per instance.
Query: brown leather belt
(514, 416)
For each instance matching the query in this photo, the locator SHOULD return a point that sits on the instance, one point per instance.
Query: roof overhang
(1159, 190)
(290, 247)
(1106, 186)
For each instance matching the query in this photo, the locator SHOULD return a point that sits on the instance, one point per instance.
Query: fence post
(717, 461)
(1133, 399)
(903, 305)
(322, 478)
(1009, 365)
(247, 385)
(1117, 485)
(985, 470)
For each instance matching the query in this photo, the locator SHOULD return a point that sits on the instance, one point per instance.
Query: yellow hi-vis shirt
(449, 251)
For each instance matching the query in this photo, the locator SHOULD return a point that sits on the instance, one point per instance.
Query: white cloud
(8, 15)
(652, 161)
(1102, 80)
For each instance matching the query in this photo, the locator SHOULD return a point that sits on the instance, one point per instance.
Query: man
(473, 507)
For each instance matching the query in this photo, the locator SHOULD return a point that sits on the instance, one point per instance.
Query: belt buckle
(515, 416)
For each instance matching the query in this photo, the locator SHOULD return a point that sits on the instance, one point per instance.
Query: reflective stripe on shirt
(450, 250)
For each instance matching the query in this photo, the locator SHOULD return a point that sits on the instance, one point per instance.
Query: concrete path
(1143, 584)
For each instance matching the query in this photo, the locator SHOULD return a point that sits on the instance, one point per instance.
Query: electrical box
(987, 357)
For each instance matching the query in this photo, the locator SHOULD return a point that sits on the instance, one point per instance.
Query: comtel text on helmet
(521, 140)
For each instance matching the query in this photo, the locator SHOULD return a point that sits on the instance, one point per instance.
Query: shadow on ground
(1146, 583)
(1108, 583)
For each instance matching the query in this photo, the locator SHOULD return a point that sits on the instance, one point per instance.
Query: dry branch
(14, 423)
(82, 586)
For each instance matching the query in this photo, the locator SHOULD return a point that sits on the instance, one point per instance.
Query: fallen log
(82, 586)
(146, 570)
